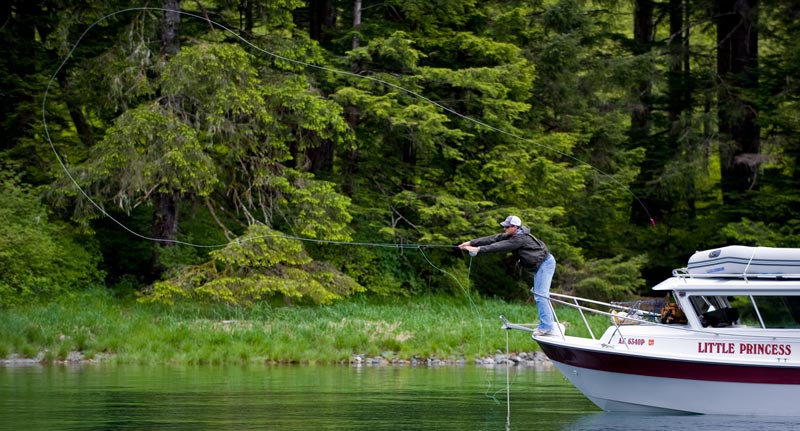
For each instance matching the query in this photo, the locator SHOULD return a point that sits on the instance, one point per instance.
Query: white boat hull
(633, 382)
(627, 393)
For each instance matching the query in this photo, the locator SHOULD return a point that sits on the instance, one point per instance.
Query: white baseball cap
(511, 221)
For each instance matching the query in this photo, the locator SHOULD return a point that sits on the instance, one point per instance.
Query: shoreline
(95, 327)
(536, 360)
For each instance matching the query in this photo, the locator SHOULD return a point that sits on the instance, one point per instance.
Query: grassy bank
(100, 326)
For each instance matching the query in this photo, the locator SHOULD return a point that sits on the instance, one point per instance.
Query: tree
(737, 69)
(223, 138)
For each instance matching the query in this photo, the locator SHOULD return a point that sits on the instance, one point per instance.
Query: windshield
(752, 311)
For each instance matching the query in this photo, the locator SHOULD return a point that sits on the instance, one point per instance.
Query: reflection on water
(284, 398)
(313, 398)
(608, 421)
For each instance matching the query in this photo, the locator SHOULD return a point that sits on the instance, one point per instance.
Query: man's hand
(472, 250)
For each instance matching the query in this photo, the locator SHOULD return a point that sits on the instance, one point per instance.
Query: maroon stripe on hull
(670, 368)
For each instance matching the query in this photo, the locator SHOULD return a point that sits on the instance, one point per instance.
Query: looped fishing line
(342, 72)
(99, 207)
(283, 58)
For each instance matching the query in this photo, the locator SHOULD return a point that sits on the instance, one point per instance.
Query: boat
(724, 342)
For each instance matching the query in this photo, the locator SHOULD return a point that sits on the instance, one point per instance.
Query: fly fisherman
(532, 256)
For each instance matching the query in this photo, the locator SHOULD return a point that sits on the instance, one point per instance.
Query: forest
(310, 151)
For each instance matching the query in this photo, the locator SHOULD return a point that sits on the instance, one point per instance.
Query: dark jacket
(530, 251)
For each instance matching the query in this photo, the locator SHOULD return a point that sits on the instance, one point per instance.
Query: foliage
(609, 280)
(39, 257)
(748, 232)
(259, 265)
(444, 118)
(150, 150)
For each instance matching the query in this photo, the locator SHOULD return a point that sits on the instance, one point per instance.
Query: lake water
(288, 398)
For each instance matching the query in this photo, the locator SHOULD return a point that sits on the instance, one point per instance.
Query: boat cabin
(769, 303)
(739, 286)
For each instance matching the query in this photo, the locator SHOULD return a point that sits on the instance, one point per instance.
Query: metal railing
(617, 319)
(633, 316)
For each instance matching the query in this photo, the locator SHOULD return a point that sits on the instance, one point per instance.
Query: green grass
(97, 324)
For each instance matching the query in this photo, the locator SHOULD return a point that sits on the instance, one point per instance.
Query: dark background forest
(311, 150)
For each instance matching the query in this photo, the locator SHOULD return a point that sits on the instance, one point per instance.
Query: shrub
(39, 257)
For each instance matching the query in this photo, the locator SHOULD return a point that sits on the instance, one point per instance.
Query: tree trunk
(350, 160)
(169, 28)
(737, 68)
(676, 46)
(165, 226)
(165, 204)
(696, 147)
(76, 114)
(322, 17)
(165, 219)
(320, 159)
(641, 116)
(679, 104)
(356, 22)
(642, 111)
(246, 15)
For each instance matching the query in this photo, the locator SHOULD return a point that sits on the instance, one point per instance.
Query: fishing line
(466, 293)
(283, 58)
(419, 247)
(303, 64)
(290, 60)
(175, 241)
(508, 389)
(240, 240)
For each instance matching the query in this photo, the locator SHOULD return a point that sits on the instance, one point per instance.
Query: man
(533, 258)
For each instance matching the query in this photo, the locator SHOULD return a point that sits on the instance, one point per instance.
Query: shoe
(538, 332)
(541, 332)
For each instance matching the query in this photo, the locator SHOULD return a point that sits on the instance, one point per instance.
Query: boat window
(715, 311)
(704, 304)
(776, 311)
(721, 311)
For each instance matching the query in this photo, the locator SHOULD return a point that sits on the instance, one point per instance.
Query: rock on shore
(524, 359)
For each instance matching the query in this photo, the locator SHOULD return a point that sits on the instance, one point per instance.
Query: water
(316, 398)
(607, 421)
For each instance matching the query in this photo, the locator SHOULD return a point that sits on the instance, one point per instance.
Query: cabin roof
(781, 284)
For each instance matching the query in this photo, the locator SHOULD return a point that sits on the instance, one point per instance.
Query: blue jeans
(541, 292)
